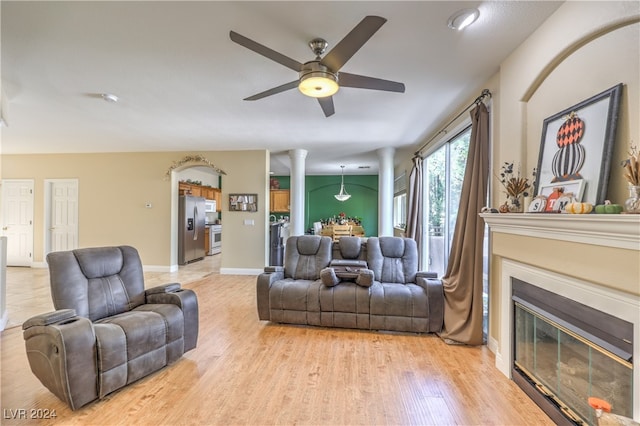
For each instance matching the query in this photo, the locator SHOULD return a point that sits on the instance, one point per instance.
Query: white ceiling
(181, 80)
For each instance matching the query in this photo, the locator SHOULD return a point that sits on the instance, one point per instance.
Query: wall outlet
(249, 222)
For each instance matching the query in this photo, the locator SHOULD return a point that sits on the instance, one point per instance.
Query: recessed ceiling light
(463, 18)
(109, 97)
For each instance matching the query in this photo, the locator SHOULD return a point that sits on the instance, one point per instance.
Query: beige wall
(559, 66)
(581, 50)
(113, 191)
(610, 267)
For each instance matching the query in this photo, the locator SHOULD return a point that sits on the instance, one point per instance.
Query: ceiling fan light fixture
(342, 195)
(318, 84)
(463, 18)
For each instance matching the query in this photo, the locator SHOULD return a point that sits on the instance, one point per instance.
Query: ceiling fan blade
(273, 91)
(265, 51)
(352, 42)
(364, 82)
(327, 106)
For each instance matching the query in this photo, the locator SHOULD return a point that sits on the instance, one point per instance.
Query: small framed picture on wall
(243, 202)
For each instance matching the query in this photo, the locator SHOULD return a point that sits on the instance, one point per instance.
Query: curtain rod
(479, 99)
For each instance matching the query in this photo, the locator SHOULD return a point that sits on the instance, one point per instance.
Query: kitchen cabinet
(279, 201)
(209, 193)
(196, 190)
(185, 188)
(206, 240)
(217, 195)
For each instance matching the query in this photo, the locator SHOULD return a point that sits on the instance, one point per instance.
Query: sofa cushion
(399, 307)
(132, 345)
(393, 259)
(295, 301)
(98, 281)
(345, 305)
(294, 295)
(306, 256)
(350, 247)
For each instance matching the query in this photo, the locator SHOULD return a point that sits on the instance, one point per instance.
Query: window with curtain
(443, 175)
(400, 201)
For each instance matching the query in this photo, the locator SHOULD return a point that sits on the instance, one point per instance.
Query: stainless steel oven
(215, 239)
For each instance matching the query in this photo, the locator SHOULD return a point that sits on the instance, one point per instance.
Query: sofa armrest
(263, 285)
(61, 349)
(49, 318)
(435, 299)
(165, 288)
(426, 274)
(329, 278)
(186, 300)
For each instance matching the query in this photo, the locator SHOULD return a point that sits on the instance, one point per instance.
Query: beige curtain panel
(415, 202)
(463, 278)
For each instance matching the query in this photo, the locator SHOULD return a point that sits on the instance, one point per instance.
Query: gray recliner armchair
(107, 331)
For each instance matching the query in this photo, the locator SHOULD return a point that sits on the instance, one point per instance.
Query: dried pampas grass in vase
(632, 175)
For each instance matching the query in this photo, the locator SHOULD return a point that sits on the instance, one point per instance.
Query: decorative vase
(632, 205)
(515, 204)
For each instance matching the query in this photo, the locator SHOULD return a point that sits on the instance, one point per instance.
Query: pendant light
(343, 195)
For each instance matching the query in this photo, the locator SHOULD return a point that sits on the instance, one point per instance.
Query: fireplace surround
(609, 287)
(565, 352)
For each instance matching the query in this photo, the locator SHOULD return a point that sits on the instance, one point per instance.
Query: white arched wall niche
(556, 67)
(540, 79)
(597, 65)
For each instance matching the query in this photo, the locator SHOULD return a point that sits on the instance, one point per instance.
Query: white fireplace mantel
(618, 231)
(611, 230)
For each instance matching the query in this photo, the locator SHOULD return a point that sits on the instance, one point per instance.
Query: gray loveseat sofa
(373, 285)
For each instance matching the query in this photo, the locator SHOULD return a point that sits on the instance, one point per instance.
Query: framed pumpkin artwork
(577, 144)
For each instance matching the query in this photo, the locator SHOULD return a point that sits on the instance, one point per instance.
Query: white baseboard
(240, 271)
(42, 265)
(501, 364)
(492, 344)
(4, 320)
(159, 268)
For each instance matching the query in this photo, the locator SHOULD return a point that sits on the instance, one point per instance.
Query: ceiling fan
(320, 78)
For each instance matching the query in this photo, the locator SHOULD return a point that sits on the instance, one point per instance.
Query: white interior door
(62, 207)
(17, 220)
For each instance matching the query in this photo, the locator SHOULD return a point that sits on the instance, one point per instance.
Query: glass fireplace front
(570, 352)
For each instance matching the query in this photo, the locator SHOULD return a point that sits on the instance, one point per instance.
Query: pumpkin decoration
(608, 208)
(569, 159)
(579, 208)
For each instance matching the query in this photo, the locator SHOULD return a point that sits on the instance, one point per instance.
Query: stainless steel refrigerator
(191, 219)
(276, 252)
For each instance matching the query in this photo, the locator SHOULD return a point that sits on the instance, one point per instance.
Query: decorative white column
(385, 191)
(296, 191)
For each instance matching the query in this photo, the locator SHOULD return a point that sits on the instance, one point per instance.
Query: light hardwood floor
(245, 371)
